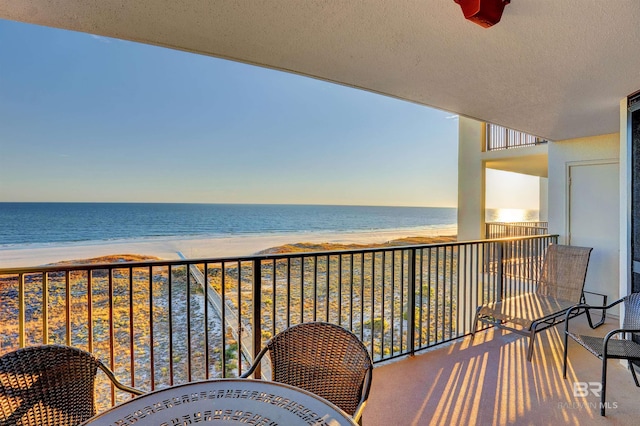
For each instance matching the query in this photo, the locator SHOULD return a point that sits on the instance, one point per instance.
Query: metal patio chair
(324, 359)
(617, 344)
(559, 288)
(50, 385)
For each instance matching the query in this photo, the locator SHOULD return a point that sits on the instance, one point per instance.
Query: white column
(544, 200)
(471, 180)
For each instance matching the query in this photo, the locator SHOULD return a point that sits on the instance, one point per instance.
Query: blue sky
(86, 118)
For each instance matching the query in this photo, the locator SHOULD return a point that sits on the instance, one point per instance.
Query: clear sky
(87, 118)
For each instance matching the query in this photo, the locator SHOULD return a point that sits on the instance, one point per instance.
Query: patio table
(225, 402)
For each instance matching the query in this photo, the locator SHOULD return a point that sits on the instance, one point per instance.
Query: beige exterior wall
(561, 155)
(471, 180)
(565, 156)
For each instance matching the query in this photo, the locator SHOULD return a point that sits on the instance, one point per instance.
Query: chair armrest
(612, 333)
(587, 308)
(116, 382)
(611, 305)
(603, 317)
(359, 411)
(604, 296)
(365, 395)
(256, 363)
(126, 388)
(568, 314)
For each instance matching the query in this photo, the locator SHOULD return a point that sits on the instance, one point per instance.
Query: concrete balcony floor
(489, 382)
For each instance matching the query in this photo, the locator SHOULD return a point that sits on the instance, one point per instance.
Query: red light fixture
(485, 13)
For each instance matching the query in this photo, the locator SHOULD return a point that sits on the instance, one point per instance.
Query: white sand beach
(204, 247)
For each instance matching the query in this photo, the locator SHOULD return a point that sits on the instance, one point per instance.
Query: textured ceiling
(554, 68)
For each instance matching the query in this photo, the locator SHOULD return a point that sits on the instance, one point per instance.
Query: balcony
(515, 229)
(512, 151)
(489, 382)
(161, 323)
(498, 138)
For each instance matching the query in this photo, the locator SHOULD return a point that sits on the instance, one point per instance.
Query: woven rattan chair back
(632, 312)
(563, 272)
(48, 385)
(324, 359)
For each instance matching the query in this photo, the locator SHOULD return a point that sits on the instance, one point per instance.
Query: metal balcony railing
(515, 229)
(499, 137)
(159, 323)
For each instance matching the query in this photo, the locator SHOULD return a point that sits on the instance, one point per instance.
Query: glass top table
(224, 402)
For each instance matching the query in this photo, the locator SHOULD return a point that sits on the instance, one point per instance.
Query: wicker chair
(324, 359)
(50, 385)
(559, 288)
(610, 347)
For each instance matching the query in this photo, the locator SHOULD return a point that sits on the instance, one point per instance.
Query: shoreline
(29, 255)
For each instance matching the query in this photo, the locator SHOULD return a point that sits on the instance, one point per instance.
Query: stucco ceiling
(553, 68)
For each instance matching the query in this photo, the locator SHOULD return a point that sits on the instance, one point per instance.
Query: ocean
(50, 223)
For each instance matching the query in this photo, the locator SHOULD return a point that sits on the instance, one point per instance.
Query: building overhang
(554, 69)
(527, 160)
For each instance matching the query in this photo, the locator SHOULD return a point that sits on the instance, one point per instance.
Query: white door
(594, 222)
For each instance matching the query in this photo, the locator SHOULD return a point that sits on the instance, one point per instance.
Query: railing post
(487, 137)
(411, 301)
(256, 326)
(21, 312)
(45, 308)
(500, 271)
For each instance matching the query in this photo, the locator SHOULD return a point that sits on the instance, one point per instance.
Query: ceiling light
(485, 13)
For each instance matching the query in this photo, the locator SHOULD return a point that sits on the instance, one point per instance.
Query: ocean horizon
(33, 224)
(47, 223)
